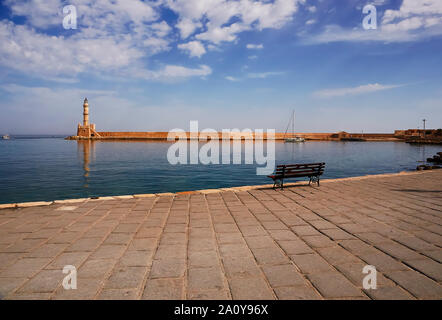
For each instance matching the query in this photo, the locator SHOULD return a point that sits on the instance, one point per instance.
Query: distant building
(431, 136)
(421, 133)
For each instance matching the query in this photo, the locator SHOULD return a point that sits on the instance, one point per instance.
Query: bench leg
(278, 183)
(314, 179)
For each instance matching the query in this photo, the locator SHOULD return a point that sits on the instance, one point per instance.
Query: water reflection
(86, 148)
(423, 159)
(292, 150)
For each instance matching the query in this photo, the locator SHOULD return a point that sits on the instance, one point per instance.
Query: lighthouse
(85, 113)
(87, 130)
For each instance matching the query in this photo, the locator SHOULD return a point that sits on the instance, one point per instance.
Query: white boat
(295, 139)
(6, 137)
(292, 139)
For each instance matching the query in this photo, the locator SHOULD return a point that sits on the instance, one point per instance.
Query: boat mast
(293, 123)
(287, 129)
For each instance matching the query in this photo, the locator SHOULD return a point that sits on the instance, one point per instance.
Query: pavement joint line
(420, 272)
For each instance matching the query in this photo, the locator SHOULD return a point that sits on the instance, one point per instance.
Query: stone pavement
(245, 243)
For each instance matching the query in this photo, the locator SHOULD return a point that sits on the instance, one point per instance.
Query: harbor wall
(108, 135)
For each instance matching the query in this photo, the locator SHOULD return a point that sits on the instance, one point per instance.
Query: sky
(157, 65)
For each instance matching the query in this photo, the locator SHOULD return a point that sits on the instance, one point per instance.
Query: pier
(236, 243)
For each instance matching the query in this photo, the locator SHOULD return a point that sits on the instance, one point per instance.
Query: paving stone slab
(334, 285)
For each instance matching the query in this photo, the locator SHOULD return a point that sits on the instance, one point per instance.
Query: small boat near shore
(293, 139)
(6, 137)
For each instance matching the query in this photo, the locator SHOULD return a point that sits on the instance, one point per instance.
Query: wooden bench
(285, 171)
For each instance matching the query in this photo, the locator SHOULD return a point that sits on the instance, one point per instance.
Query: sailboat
(292, 139)
(6, 137)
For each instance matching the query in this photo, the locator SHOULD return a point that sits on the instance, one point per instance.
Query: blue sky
(156, 65)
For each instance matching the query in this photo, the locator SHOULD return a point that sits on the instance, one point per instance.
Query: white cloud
(113, 40)
(233, 79)
(310, 22)
(217, 35)
(119, 37)
(49, 92)
(410, 8)
(161, 29)
(48, 13)
(176, 73)
(212, 47)
(216, 17)
(40, 14)
(253, 57)
(188, 27)
(255, 75)
(26, 50)
(413, 21)
(255, 46)
(263, 75)
(194, 48)
(339, 92)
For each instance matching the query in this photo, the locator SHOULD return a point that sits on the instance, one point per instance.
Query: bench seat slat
(299, 171)
(296, 175)
(286, 172)
(302, 164)
(296, 167)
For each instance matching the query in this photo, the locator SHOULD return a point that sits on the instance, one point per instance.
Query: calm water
(34, 169)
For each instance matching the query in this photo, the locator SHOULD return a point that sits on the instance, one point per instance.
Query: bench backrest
(300, 169)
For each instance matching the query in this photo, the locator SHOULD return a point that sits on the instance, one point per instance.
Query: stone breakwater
(340, 136)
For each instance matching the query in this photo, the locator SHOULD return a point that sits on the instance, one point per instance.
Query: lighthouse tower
(87, 130)
(85, 113)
